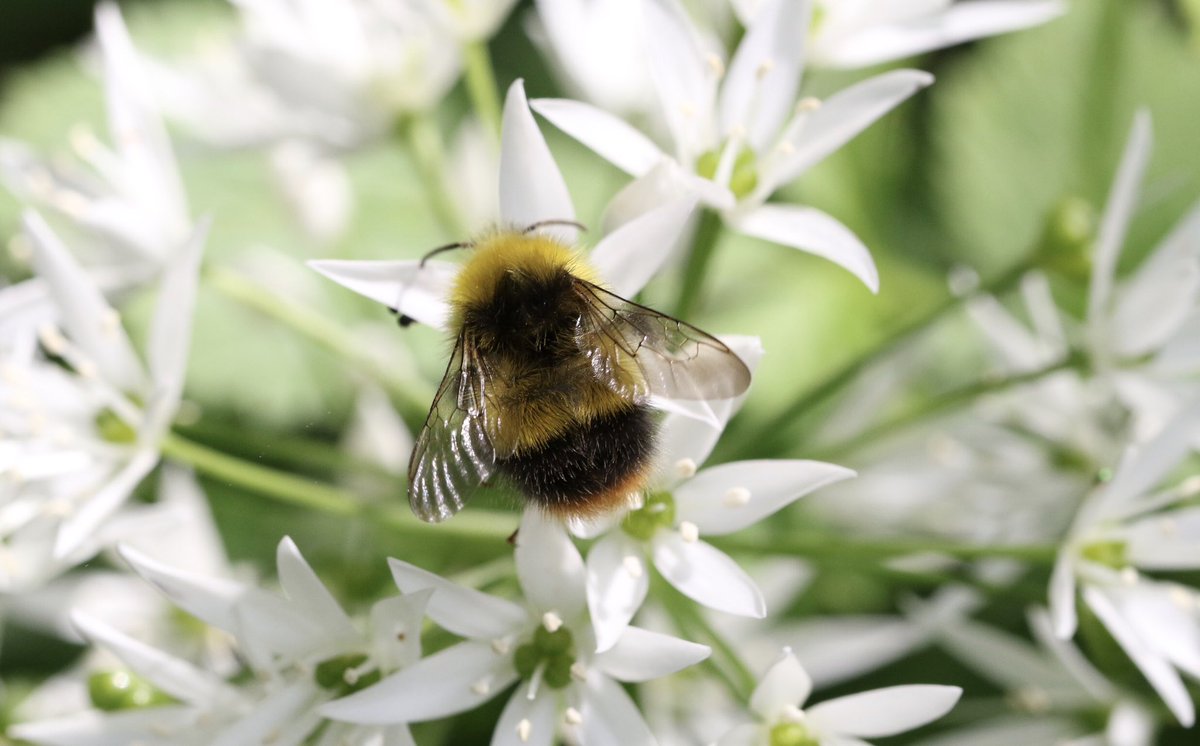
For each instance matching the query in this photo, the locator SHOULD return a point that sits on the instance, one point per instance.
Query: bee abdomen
(590, 467)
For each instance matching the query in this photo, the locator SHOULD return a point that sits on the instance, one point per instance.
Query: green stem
(725, 661)
(781, 425)
(478, 526)
(481, 84)
(423, 139)
(942, 403)
(1099, 127)
(822, 546)
(413, 404)
(704, 244)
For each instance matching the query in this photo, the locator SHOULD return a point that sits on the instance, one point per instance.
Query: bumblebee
(549, 381)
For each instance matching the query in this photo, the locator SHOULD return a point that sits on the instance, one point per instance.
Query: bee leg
(512, 538)
(403, 320)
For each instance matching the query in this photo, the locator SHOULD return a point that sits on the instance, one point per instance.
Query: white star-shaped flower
(778, 700)
(545, 643)
(79, 436)
(1123, 529)
(737, 132)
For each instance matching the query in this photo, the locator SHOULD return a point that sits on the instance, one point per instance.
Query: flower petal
(1166, 542)
(94, 728)
(730, 497)
(884, 712)
(1062, 596)
(746, 734)
(463, 611)
(526, 720)
(809, 229)
(608, 136)
(786, 684)
(1117, 213)
(610, 716)
(531, 187)
(617, 581)
(275, 718)
(707, 575)
(1153, 666)
(207, 598)
(641, 655)
(454, 680)
(549, 565)
(77, 528)
(764, 74)
(396, 629)
(841, 117)
(306, 591)
(686, 83)
(174, 676)
(958, 23)
(415, 291)
(91, 323)
(633, 253)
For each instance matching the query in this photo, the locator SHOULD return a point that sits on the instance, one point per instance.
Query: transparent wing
(671, 358)
(453, 455)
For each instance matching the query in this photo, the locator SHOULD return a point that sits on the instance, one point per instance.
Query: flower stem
(423, 139)
(481, 84)
(479, 526)
(829, 546)
(412, 403)
(781, 425)
(704, 244)
(941, 403)
(692, 624)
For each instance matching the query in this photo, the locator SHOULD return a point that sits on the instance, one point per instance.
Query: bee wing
(676, 360)
(453, 454)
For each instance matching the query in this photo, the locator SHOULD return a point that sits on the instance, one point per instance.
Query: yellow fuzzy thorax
(509, 251)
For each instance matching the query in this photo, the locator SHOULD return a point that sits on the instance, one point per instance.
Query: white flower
(1123, 529)
(859, 33)
(79, 437)
(780, 695)
(681, 505)
(598, 51)
(1139, 335)
(131, 199)
(546, 644)
(737, 132)
(1044, 690)
(471, 20)
(531, 189)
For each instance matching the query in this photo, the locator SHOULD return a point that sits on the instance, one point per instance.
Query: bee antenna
(543, 223)
(447, 247)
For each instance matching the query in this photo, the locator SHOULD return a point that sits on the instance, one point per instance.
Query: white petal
(454, 680)
(685, 83)
(209, 599)
(610, 716)
(809, 229)
(841, 117)
(531, 187)
(662, 185)
(610, 137)
(415, 291)
(171, 331)
(174, 676)
(764, 74)
(1166, 542)
(1062, 596)
(617, 581)
(462, 611)
(1154, 303)
(85, 314)
(730, 497)
(629, 256)
(315, 186)
(396, 629)
(786, 684)
(94, 728)
(1154, 667)
(746, 734)
(1144, 467)
(1117, 214)
(80, 526)
(958, 23)
(526, 721)
(549, 565)
(884, 712)
(707, 575)
(642, 655)
(304, 589)
(286, 709)
(1162, 615)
